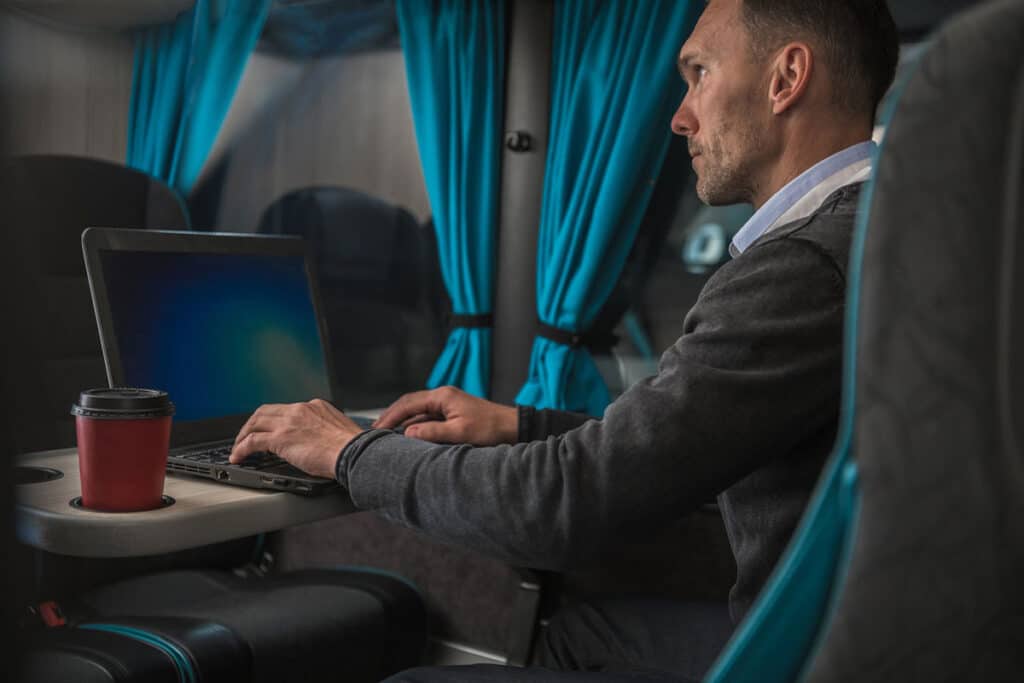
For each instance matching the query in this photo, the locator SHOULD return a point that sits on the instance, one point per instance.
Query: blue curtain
(186, 73)
(614, 88)
(455, 66)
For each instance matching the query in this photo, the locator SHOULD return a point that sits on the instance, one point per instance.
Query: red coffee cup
(123, 438)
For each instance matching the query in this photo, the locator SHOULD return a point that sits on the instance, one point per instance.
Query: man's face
(723, 116)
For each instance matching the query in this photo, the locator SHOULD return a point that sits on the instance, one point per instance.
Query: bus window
(319, 142)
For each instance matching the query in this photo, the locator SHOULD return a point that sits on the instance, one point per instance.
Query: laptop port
(222, 475)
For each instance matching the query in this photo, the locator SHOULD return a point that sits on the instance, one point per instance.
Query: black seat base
(301, 626)
(136, 649)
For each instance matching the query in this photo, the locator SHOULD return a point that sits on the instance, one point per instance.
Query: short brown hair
(858, 37)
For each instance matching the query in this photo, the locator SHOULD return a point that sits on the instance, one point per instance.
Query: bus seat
(373, 623)
(49, 200)
(304, 625)
(907, 564)
(154, 650)
(941, 349)
(375, 264)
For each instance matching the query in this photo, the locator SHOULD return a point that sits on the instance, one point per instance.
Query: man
(779, 113)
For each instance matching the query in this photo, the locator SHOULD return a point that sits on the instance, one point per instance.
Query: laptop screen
(222, 333)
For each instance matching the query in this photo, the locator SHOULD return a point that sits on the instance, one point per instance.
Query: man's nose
(683, 121)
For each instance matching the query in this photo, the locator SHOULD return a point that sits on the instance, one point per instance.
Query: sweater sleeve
(535, 425)
(756, 365)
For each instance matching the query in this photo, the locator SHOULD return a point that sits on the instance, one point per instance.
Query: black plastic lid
(123, 403)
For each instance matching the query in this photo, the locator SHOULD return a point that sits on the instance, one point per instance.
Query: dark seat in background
(380, 284)
(314, 625)
(49, 201)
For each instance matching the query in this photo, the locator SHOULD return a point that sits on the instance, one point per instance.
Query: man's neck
(802, 151)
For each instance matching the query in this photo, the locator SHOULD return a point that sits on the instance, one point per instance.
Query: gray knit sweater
(744, 406)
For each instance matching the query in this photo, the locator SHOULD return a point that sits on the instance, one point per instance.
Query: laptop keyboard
(218, 455)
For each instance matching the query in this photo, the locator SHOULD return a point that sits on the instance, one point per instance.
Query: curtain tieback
(470, 320)
(592, 339)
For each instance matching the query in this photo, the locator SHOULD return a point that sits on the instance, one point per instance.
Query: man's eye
(701, 73)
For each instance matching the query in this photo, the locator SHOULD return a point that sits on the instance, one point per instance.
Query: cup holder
(35, 475)
(76, 502)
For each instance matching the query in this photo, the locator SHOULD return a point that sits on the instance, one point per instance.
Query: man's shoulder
(829, 229)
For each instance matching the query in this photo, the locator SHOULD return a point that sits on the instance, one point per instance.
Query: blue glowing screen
(220, 333)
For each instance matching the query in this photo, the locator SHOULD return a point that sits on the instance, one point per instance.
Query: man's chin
(712, 199)
(719, 196)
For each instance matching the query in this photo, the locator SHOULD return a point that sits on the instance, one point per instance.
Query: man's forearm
(508, 501)
(757, 364)
(537, 424)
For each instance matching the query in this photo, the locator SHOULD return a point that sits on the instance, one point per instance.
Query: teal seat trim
(772, 645)
(186, 673)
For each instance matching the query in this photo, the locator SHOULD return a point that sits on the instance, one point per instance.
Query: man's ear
(790, 75)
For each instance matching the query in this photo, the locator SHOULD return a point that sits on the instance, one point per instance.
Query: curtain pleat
(185, 76)
(455, 67)
(614, 88)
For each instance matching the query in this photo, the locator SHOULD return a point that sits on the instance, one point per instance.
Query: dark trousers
(624, 639)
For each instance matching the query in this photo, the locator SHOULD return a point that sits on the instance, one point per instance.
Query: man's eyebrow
(686, 60)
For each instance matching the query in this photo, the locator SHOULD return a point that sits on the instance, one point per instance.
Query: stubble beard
(727, 178)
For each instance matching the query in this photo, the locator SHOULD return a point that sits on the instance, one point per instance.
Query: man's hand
(308, 435)
(450, 415)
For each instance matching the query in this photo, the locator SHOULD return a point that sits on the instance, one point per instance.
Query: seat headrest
(51, 199)
(355, 236)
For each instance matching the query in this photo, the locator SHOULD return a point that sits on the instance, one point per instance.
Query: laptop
(223, 323)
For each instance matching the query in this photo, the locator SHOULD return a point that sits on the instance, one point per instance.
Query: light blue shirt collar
(780, 202)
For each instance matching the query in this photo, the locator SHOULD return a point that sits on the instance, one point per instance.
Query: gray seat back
(48, 201)
(934, 591)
